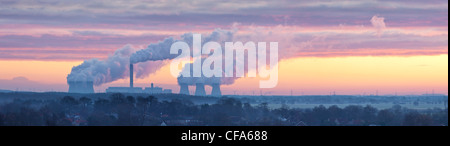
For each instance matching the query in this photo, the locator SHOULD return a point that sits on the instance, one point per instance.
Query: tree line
(121, 110)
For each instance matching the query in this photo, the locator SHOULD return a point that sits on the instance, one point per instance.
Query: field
(273, 102)
(423, 106)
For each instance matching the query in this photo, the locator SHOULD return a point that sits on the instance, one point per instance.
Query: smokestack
(131, 75)
(200, 89)
(81, 86)
(216, 90)
(184, 89)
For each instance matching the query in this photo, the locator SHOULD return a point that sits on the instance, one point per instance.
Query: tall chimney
(216, 90)
(200, 89)
(131, 75)
(184, 89)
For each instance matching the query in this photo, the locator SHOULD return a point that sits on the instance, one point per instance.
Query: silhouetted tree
(69, 101)
(335, 112)
(101, 104)
(101, 119)
(131, 100)
(118, 109)
(416, 119)
(321, 114)
(85, 101)
(369, 114)
(353, 112)
(2, 121)
(385, 117)
(117, 99)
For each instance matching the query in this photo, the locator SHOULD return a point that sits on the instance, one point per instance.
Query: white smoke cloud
(157, 51)
(144, 69)
(256, 34)
(103, 71)
(148, 60)
(378, 24)
(161, 50)
(220, 36)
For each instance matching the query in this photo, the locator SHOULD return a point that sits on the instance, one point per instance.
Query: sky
(325, 46)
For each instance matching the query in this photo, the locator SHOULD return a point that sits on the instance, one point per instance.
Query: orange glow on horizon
(303, 75)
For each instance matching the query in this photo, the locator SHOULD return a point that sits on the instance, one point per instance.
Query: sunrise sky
(347, 47)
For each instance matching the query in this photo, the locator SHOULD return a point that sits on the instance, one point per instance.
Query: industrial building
(150, 90)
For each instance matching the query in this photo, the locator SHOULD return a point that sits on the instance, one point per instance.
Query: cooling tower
(131, 75)
(184, 89)
(200, 89)
(81, 86)
(216, 90)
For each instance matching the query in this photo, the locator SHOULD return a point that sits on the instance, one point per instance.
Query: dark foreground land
(106, 109)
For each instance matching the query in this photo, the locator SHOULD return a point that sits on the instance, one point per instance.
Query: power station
(88, 87)
(150, 90)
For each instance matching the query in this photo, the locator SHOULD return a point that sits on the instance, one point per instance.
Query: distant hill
(24, 84)
(5, 91)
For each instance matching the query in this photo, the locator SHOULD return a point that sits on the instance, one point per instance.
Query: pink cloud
(378, 24)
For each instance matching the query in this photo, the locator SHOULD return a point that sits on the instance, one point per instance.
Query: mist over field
(63, 109)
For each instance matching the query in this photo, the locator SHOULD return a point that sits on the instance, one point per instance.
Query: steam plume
(150, 59)
(103, 71)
